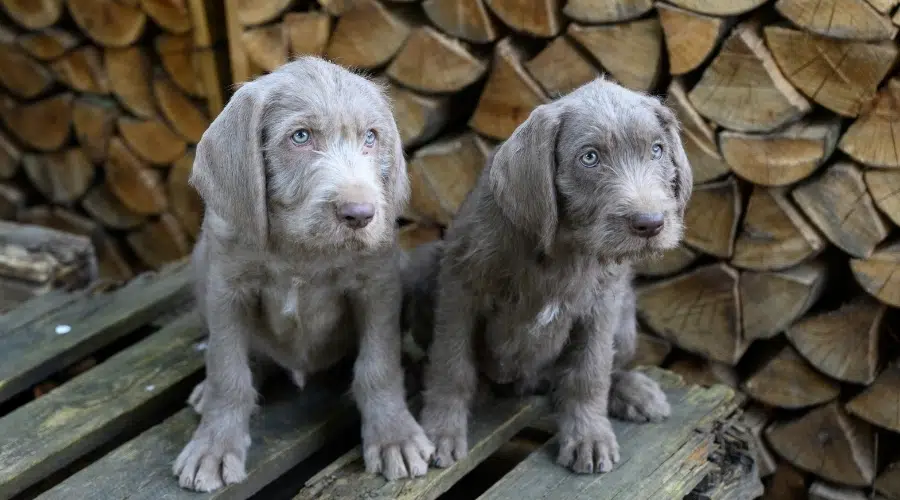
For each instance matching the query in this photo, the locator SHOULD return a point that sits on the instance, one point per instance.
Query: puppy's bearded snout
(356, 215)
(646, 224)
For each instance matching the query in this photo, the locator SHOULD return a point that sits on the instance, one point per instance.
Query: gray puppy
(302, 176)
(534, 283)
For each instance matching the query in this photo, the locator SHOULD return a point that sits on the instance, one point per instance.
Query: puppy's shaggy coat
(302, 176)
(534, 283)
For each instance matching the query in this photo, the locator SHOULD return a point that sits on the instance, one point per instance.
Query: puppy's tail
(419, 273)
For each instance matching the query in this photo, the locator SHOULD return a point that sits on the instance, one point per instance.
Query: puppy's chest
(296, 306)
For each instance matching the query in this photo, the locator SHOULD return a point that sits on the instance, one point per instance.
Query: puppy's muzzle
(646, 225)
(355, 215)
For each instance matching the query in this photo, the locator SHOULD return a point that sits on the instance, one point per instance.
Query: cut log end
(434, 63)
(184, 202)
(606, 11)
(48, 44)
(536, 18)
(103, 206)
(873, 137)
(110, 24)
(307, 33)
(878, 404)
(690, 37)
(62, 177)
(637, 61)
(44, 125)
(21, 75)
(464, 19)
(712, 217)
(560, 68)
(266, 46)
(419, 118)
(698, 136)
(772, 301)
(152, 140)
(34, 14)
(253, 12)
(367, 36)
(718, 7)
(442, 174)
(670, 262)
(879, 275)
(185, 116)
(789, 381)
(159, 242)
(130, 73)
(135, 185)
(844, 19)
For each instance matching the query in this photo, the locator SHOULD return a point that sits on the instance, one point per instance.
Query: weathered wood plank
(37, 348)
(35, 309)
(492, 424)
(660, 460)
(285, 431)
(48, 433)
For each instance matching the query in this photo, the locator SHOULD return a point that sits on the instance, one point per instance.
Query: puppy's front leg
(393, 442)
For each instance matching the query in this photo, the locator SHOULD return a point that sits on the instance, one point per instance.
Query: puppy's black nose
(356, 215)
(646, 225)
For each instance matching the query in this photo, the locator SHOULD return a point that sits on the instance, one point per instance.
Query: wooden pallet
(112, 431)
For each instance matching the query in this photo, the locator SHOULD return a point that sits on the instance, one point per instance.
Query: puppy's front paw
(448, 433)
(594, 450)
(212, 460)
(638, 398)
(396, 447)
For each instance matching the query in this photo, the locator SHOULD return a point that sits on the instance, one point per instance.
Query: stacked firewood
(102, 103)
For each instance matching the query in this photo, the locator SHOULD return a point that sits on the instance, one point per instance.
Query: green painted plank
(493, 423)
(35, 350)
(656, 459)
(49, 433)
(285, 431)
(35, 308)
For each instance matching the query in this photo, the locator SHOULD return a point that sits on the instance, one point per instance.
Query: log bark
(873, 137)
(774, 300)
(700, 371)
(82, 70)
(718, 7)
(171, 15)
(650, 350)
(712, 217)
(786, 380)
(844, 19)
(691, 38)
(838, 203)
(442, 174)
(20, 74)
(698, 136)
(367, 36)
(419, 118)
(266, 46)
(151, 140)
(667, 308)
(307, 32)
(34, 14)
(177, 56)
(12, 201)
(783, 157)
(43, 125)
(536, 18)
(879, 275)
(432, 62)
(823, 491)
(130, 74)
(413, 235)
(606, 11)
(136, 185)
(841, 75)
(104, 207)
(637, 62)
(827, 431)
(10, 157)
(62, 177)
(49, 43)
(254, 12)
(671, 262)
(743, 89)
(774, 235)
(185, 117)
(159, 242)
(878, 404)
(465, 19)
(94, 120)
(184, 202)
(109, 23)
(844, 343)
(509, 95)
(560, 68)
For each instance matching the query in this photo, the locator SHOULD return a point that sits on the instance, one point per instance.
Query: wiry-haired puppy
(534, 282)
(302, 176)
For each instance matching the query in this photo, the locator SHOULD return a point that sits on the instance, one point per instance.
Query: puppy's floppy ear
(398, 178)
(229, 170)
(523, 172)
(683, 183)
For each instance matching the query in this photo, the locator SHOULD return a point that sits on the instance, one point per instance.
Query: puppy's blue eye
(370, 137)
(590, 159)
(656, 150)
(301, 136)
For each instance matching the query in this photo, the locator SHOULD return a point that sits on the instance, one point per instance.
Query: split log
(888, 482)
(509, 95)
(827, 431)
(789, 381)
(742, 88)
(22, 75)
(671, 262)
(184, 202)
(419, 118)
(110, 23)
(185, 117)
(413, 235)
(650, 350)
(442, 174)
(34, 14)
(48, 44)
(151, 140)
(873, 137)
(94, 120)
(136, 185)
(838, 203)
(307, 32)
(698, 136)
(176, 54)
(718, 7)
(844, 19)
(823, 491)
(774, 300)
(878, 404)
(465, 19)
(884, 186)
(62, 177)
(159, 242)
(690, 37)
(700, 371)
(844, 343)
(637, 62)
(43, 125)
(536, 18)
(878, 275)
(172, 16)
(10, 157)
(606, 11)
(12, 201)
(367, 36)
(755, 418)
(560, 68)
(266, 46)
(780, 158)
(82, 70)
(254, 12)
(104, 207)
(841, 75)
(712, 216)
(774, 235)
(788, 483)
(669, 308)
(434, 63)
(129, 72)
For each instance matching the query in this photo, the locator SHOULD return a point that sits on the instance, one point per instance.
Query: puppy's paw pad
(638, 398)
(197, 399)
(400, 451)
(595, 452)
(205, 465)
